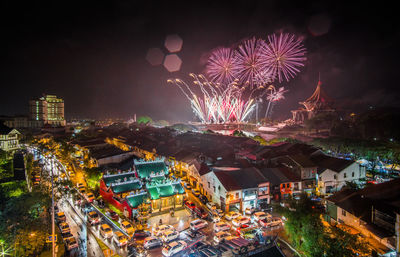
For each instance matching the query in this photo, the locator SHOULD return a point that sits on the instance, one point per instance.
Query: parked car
(174, 248)
(127, 227)
(240, 221)
(89, 197)
(247, 232)
(151, 242)
(201, 212)
(105, 231)
(194, 234)
(190, 205)
(215, 217)
(157, 231)
(140, 233)
(220, 236)
(249, 211)
(196, 192)
(198, 224)
(82, 190)
(66, 235)
(220, 212)
(260, 215)
(64, 227)
(71, 243)
(169, 236)
(93, 218)
(113, 215)
(211, 206)
(120, 239)
(61, 217)
(232, 215)
(221, 226)
(271, 222)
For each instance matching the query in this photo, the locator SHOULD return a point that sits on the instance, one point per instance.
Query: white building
(235, 188)
(333, 173)
(9, 138)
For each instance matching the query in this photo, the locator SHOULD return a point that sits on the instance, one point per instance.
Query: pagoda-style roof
(151, 169)
(318, 100)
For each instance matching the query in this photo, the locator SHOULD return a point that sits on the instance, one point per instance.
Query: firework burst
(282, 55)
(220, 65)
(249, 64)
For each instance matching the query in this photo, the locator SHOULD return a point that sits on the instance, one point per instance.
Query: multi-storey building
(49, 109)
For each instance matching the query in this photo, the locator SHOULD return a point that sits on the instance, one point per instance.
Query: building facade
(9, 138)
(48, 109)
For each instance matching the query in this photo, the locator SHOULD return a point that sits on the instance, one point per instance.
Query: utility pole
(52, 211)
(256, 111)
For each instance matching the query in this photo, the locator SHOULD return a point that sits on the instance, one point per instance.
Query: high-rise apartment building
(48, 109)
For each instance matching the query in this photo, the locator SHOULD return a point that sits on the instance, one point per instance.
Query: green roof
(126, 187)
(145, 169)
(165, 190)
(108, 179)
(136, 200)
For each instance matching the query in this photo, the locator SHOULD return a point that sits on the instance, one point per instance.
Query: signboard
(50, 239)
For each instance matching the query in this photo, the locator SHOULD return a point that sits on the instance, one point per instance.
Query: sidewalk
(180, 220)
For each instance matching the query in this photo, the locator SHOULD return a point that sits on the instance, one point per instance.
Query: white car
(71, 243)
(271, 222)
(260, 215)
(169, 236)
(232, 215)
(220, 236)
(198, 224)
(211, 206)
(221, 226)
(158, 231)
(174, 248)
(240, 221)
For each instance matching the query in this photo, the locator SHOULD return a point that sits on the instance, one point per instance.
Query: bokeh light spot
(173, 43)
(172, 63)
(155, 56)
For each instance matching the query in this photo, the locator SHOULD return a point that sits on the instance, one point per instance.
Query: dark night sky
(92, 53)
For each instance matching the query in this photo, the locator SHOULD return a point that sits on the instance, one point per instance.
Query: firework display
(237, 77)
(282, 55)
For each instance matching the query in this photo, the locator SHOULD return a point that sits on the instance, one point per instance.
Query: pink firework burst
(282, 55)
(249, 61)
(220, 65)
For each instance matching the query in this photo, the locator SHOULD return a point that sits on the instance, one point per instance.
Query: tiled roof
(239, 178)
(302, 160)
(108, 179)
(276, 176)
(145, 169)
(106, 151)
(328, 162)
(126, 187)
(165, 190)
(136, 200)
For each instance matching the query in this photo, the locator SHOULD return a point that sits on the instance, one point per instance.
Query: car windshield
(128, 225)
(72, 241)
(107, 229)
(121, 237)
(94, 215)
(197, 222)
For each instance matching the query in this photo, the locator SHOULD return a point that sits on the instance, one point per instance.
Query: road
(91, 248)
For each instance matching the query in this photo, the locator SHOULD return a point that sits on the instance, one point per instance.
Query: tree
(309, 235)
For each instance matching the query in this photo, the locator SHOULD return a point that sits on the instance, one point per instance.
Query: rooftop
(238, 178)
